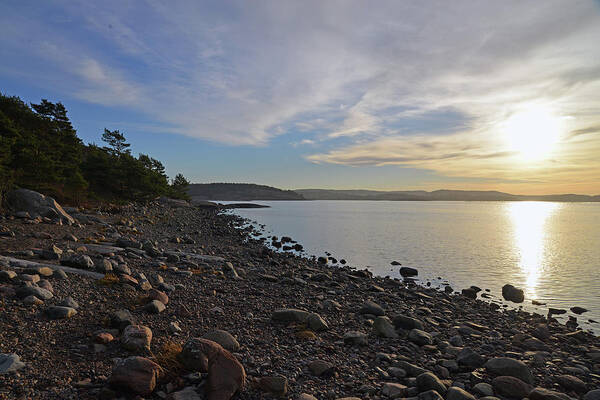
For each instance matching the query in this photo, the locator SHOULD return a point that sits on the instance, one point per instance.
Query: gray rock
(60, 274)
(230, 271)
(393, 390)
(383, 327)
(224, 338)
(188, 393)
(511, 387)
(10, 362)
(69, 302)
(60, 312)
(428, 381)
(38, 292)
(121, 319)
(420, 337)
(79, 261)
(509, 367)
(591, 395)
(546, 394)
(406, 322)
(356, 338)
(321, 368)
(511, 293)
(7, 276)
(370, 307)
(53, 253)
(408, 271)
(154, 307)
(32, 300)
(316, 323)
(136, 338)
(456, 393)
(484, 389)
(470, 358)
(411, 369)
(571, 382)
(36, 204)
(430, 395)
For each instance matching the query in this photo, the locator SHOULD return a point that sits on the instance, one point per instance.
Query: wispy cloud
(371, 84)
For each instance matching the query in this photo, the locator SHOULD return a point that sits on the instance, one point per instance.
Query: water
(551, 250)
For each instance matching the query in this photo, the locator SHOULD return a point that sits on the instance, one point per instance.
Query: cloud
(402, 83)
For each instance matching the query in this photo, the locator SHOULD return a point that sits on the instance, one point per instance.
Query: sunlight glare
(533, 133)
(529, 220)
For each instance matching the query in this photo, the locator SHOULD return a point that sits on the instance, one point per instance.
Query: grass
(167, 357)
(109, 279)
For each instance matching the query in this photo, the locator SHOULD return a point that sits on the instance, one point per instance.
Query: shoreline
(427, 330)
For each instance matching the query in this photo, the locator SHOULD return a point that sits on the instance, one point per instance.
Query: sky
(388, 95)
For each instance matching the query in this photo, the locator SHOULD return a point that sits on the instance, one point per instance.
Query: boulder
(383, 327)
(321, 368)
(224, 338)
(469, 358)
(420, 337)
(38, 292)
(428, 381)
(276, 385)
(136, 374)
(36, 205)
(154, 307)
(511, 293)
(356, 338)
(511, 387)
(60, 312)
(591, 395)
(456, 393)
(430, 395)
(78, 261)
(10, 363)
(136, 338)
(393, 390)
(571, 382)
(225, 373)
(408, 271)
(507, 366)
(406, 322)
(370, 307)
(546, 394)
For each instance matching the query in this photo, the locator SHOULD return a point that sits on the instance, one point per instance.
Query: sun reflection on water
(529, 221)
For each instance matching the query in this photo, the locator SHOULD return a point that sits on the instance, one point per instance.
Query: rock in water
(136, 374)
(225, 373)
(408, 271)
(10, 363)
(36, 204)
(511, 293)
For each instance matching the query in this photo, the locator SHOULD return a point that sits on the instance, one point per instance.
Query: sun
(533, 133)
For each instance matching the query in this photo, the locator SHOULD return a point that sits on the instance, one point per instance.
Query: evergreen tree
(116, 141)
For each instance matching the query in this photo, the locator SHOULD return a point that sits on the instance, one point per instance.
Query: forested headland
(40, 150)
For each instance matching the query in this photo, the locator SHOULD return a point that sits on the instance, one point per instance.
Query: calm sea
(551, 250)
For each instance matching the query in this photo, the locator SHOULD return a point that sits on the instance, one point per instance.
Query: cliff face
(240, 192)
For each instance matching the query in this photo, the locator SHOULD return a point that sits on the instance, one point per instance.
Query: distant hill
(437, 195)
(239, 192)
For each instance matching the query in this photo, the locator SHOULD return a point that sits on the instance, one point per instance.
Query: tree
(116, 141)
(179, 187)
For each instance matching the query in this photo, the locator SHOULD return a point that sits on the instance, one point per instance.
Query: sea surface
(551, 250)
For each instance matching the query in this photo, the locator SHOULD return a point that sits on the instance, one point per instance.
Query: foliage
(40, 150)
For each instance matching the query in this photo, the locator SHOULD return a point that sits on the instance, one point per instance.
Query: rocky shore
(169, 301)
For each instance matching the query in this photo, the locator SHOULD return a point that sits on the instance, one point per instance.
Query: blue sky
(330, 94)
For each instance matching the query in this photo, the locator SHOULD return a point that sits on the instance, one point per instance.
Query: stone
(29, 278)
(154, 294)
(136, 374)
(224, 338)
(591, 395)
(60, 312)
(174, 327)
(511, 293)
(321, 368)
(188, 393)
(509, 367)
(546, 394)
(80, 261)
(578, 310)
(36, 204)
(571, 382)
(420, 337)
(356, 338)
(430, 395)
(393, 390)
(428, 381)
(316, 323)
(372, 308)
(511, 387)
(277, 385)
(306, 396)
(7, 276)
(290, 315)
(69, 302)
(225, 373)
(32, 301)
(456, 393)
(382, 327)
(10, 362)
(103, 338)
(121, 319)
(38, 292)
(484, 389)
(53, 253)
(470, 293)
(155, 307)
(406, 322)
(136, 338)
(230, 271)
(408, 271)
(470, 358)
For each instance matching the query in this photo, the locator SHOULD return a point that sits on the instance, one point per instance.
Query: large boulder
(225, 373)
(506, 366)
(136, 374)
(136, 338)
(36, 204)
(511, 293)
